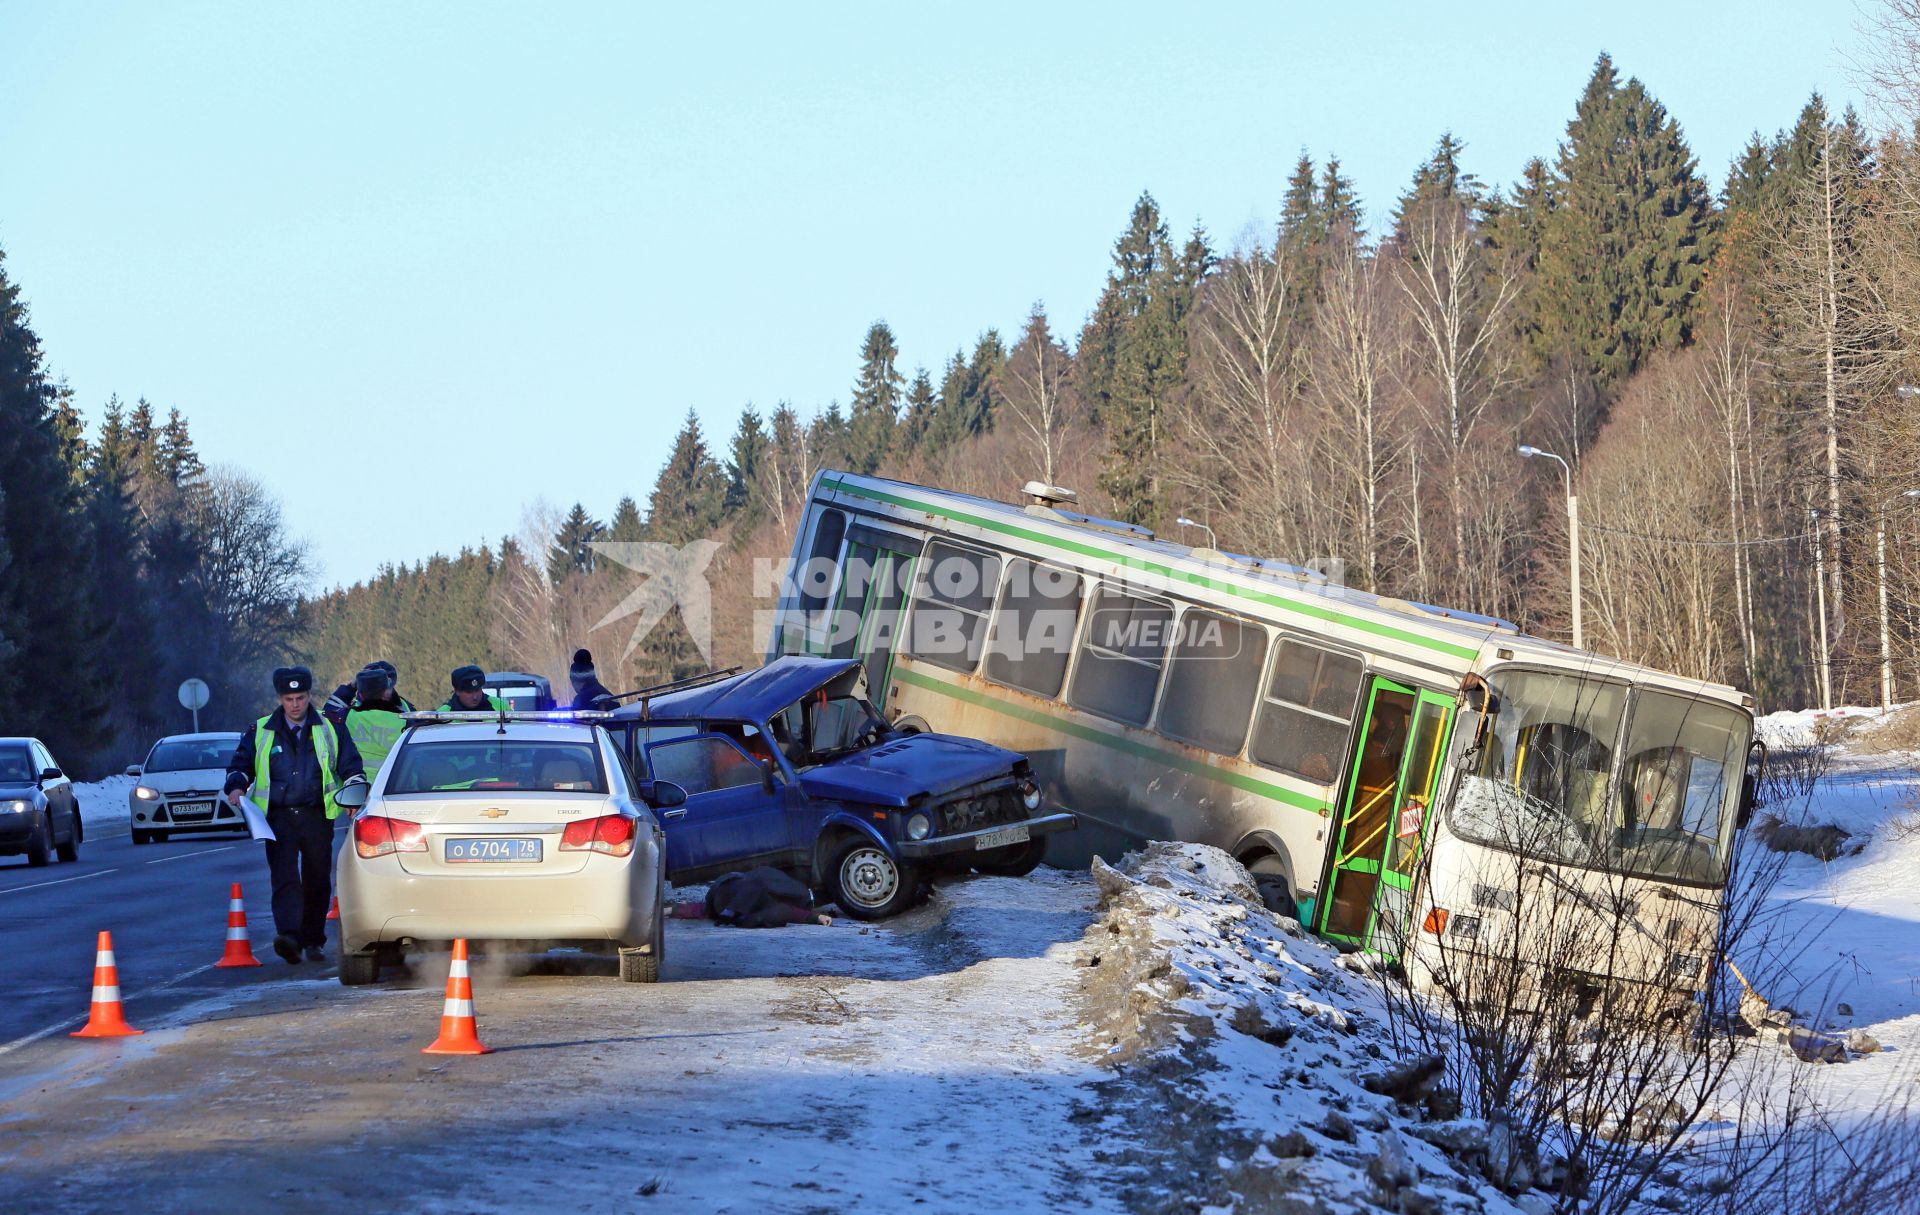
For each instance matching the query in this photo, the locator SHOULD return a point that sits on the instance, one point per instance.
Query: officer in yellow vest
(291, 764)
(470, 693)
(371, 709)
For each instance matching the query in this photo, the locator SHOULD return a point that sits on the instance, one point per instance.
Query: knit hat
(582, 669)
(292, 679)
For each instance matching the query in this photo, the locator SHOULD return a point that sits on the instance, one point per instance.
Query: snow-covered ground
(103, 804)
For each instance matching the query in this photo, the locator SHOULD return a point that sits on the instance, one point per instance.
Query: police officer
(470, 693)
(291, 764)
(370, 708)
(588, 691)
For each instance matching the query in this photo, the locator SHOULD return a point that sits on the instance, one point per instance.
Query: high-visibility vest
(375, 731)
(494, 705)
(325, 746)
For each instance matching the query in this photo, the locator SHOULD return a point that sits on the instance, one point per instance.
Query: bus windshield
(1538, 776)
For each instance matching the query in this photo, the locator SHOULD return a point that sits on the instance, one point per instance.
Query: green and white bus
(1373, 762)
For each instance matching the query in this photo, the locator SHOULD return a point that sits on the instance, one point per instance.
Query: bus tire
(1276, 888)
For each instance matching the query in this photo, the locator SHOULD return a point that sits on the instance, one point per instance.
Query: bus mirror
(1750, 783)
(1477, 696)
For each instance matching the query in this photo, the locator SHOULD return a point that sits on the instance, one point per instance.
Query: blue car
(790, 766)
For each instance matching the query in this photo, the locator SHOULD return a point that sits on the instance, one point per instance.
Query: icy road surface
(930, 1063)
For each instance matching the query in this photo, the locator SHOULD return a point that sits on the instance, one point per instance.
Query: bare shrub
(1796, 766)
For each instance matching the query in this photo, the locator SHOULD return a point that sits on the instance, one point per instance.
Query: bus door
(874, 578)
(1383, 822)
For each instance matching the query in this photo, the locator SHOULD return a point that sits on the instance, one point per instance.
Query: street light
(1880, 545)
(1573, 533)
(1183, 521)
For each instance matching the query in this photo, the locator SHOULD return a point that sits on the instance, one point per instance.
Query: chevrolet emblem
(493, 812)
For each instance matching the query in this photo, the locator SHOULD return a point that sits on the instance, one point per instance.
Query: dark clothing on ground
(300, 856)
(300, 861)
(594, 695)
(294, 766)
(759, 898)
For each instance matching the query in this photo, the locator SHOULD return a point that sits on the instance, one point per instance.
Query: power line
(1690, 542)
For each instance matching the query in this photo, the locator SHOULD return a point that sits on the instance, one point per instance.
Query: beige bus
(1401, 777)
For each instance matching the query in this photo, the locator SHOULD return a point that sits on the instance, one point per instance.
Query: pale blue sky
(509, 246)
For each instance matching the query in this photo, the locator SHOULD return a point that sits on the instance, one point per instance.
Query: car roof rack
(644, 695)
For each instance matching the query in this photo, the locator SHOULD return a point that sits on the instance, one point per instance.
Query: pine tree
(571, 551)
(919, 414)
(1137, 256)
(627, 526)
(690, 498)
(1438, 177)
(1339, 204)
(876, 400)
(1303, 218)
(1623, 252)
(746, 472)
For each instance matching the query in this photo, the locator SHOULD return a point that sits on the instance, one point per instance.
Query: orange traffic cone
(106, 1018)
(239, 945)
(459, 1032)
(333, 912)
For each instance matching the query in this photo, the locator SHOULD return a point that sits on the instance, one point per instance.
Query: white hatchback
(526, 833)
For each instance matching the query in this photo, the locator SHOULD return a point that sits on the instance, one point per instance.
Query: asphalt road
(166, 905)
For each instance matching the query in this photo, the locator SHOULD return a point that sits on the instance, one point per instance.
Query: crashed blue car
(790, 766)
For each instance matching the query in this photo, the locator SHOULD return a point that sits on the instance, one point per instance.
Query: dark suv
(39, 814)
(790, 766)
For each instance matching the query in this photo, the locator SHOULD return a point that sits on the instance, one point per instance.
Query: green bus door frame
(881, 603)
(1381, 839)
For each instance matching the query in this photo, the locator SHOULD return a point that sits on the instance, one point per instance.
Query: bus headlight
(1030, 795)
(919, 825)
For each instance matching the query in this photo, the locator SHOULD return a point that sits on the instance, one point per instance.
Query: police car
(520, 829)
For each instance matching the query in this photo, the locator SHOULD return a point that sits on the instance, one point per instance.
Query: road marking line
(81, 1018)
(184, 855)
(58, 882)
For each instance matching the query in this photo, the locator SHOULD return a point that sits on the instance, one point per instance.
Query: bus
(1397, 775)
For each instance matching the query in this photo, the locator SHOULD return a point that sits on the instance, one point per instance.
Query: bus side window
(1307, 713)
(1121, 653)
(1032, 633)
(951, 600)
(1213, 679)
(815, 579)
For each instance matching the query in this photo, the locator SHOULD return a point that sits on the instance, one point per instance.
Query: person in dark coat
(290, 765)
(588, 691)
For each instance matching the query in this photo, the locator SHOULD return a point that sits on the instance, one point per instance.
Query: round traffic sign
(193, 694)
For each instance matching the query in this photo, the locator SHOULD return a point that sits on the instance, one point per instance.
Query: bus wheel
(1270, 879)
(1015, 860)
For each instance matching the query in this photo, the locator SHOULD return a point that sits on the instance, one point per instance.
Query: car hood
(15, 790)
(186, 780)
(895, 772)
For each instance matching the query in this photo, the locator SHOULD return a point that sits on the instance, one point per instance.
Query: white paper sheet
(256, 821)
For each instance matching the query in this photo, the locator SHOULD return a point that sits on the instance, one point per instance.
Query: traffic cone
(459, 1032)
(333, 912)
(239, 945)
(106, 1018)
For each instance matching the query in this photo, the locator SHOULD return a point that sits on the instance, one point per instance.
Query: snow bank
(1260, 1059)
(103, 804)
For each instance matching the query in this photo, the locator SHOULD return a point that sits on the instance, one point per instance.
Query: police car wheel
(869, 884)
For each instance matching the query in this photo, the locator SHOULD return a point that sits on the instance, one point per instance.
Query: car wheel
(359, 969)
(160, 836)
(142, 837)
(868, 883)
(1015, 860)
(637, 967)
(40, 847)
(70, 851)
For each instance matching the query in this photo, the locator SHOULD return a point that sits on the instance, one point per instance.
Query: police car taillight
(610, 833)
(375, 835)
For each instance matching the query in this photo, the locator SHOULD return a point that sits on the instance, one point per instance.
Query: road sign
(193, 695)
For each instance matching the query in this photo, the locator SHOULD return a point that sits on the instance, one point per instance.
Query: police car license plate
(496, 850)
(1001, 838)
(187, 810)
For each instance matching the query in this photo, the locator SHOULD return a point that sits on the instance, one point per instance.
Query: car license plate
(506, 851)
(181, 810)
(1001, 838)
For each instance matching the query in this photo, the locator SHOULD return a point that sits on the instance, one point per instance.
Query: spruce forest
(1727, 364)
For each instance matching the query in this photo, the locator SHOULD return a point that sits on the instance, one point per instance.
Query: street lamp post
(1880, 547)
(1183, 521)
(1573, 535)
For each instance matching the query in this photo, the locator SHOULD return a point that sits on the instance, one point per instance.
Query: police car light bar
(428, 717)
